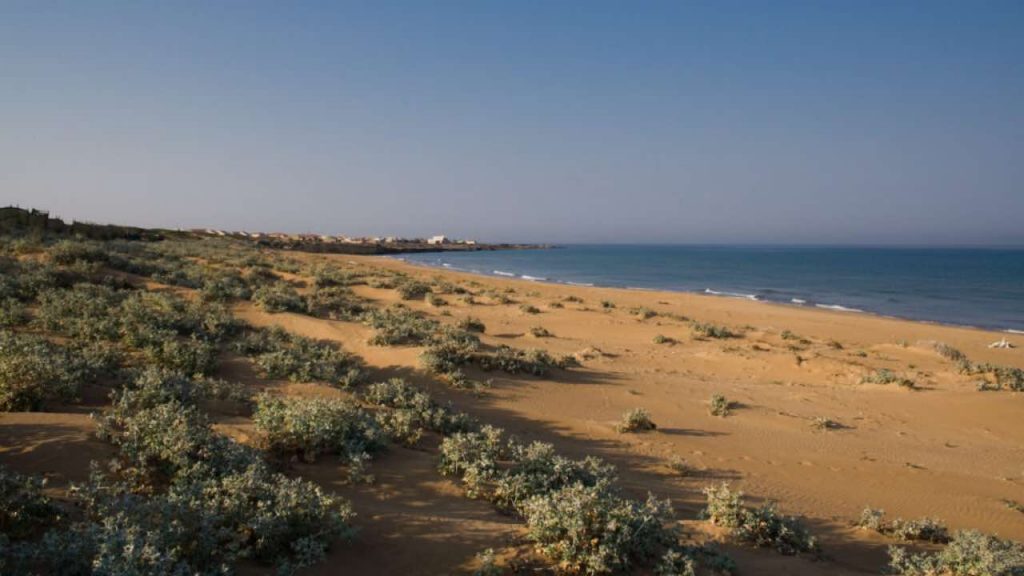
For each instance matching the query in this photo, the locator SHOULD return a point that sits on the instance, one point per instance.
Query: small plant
(574, 299)
(680, 466)
(555, 305)
(886, 376)
(586, 530)
(949, 353)
(436, 301)
(921, 530)
(413, 290)
(824, 424)
(278, 297)
(471, 324)
(488, 564)
(607, 304)
(540, 332)
(719, 406)
(762, 527)
(529, 309)
(397, 325)
(278, 354)
(662, 339)
(969, 553)
(643, 312)
(636, 420)
(311, 427)
(708, 330)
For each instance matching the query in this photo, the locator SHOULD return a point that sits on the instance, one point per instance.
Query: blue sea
(964, 286)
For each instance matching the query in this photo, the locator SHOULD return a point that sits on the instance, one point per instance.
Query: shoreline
(707, 292)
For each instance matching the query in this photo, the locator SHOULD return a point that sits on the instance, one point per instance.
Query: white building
(437, 240)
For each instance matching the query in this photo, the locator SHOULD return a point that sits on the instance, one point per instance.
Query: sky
(822, 122)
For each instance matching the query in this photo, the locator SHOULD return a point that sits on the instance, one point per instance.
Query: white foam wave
(533, 278)
(584, 284)
(837, 308)
(731, 294)
(798, 301)
(503, 273)
(1012, 331)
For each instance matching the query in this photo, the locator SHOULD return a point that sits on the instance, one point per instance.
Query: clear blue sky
(804, 122)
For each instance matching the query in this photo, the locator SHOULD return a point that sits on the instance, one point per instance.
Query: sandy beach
(943, 449)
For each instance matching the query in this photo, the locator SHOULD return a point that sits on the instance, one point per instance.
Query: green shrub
(949, 353)
(471, 324)
(513, 361)
(643, 312)
(34, 371)
(12, 312)
(586, 530)
(68, 252)
(474, 457)
(574, 299)
(413, 290)
(24, 510)
(636, 420)
(529, 309)
(662, 339)
(762, 527)
(191, 356)
(719, 405)
(607, 304)
(922, 530)
(336, 303)
(407, 411)
(85, 312)
(278, 297)
(398, 325)
(311, 427)
(278, 354)
(536, 469)
(709, 330)
(969, 553)
(540, 332)
(886, 376)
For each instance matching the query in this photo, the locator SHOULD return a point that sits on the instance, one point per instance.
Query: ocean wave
(838, 308)
(533, 278)
(731, 294)
(1013, 331)
(798, 301)
(583, 284)
(446, 265)
(503, 273)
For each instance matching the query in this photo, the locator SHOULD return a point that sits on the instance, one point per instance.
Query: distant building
(437, 240)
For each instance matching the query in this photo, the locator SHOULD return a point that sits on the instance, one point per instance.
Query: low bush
(762, 527)
(34, 371)
(514, 361)
(412, 290)
(709, 330)
(68, 252)
(1002, 377)
(636, 420)
(969, 553)
(642, 312)
(719, 405)
(408, 411)
(471, 324)
(921, 530)
(948, 352)
(13, 312)
(585, 530)
(278, 354)
(309, 428)
(536, 469)
(278, 297)
(662, 339)
(540, 332)
(336, 303)
(190, 356)
(24, 510)
(398, 325)
(529, 309)
(886, 376)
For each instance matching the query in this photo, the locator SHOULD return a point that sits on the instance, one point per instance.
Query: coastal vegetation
(213, 413)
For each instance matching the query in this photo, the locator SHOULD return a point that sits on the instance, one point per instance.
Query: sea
(978, 287)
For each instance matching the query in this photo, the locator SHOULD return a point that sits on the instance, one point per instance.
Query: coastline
(708, 292)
